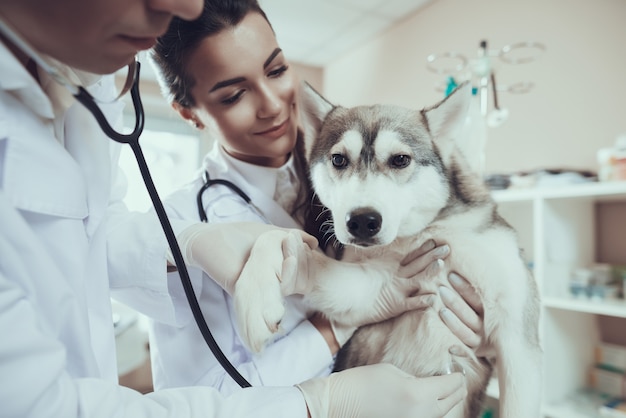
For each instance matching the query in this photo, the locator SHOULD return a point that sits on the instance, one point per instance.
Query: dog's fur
(392, 179)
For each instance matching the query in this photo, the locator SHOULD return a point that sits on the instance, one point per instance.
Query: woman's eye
(339, 161)
(232, 99)
(277, 72)
(400, 161)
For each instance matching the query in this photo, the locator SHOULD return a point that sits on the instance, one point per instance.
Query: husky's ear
(313, 110)
(446, 119)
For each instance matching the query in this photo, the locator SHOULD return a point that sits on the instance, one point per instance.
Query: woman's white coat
(299, 352)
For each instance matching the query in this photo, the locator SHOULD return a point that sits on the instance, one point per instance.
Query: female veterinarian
(67, 244)
(225, 73)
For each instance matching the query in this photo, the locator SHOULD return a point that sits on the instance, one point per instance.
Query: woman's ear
(188, 114)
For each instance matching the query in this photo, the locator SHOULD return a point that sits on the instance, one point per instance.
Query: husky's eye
(400, 161)
(339, 161)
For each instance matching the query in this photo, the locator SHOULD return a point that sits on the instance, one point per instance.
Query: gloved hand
(395, 297)
(463, 314)
(222, 250)
(380, 391)
(281, 263)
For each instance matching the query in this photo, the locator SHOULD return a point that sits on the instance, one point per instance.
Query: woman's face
(243, 85)
(100, 36)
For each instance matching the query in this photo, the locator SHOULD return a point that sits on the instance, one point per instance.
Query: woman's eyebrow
(226, 83)
(269, 60)
(236, 80)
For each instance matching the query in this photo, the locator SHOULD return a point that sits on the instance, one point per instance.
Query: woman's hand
(382, 390)
(464, 314)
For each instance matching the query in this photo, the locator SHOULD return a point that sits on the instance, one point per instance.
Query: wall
(577, 105)
(313, 75)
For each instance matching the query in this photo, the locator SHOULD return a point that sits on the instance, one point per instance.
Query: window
(171, 150)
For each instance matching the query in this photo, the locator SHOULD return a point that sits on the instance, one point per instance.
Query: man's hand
(222, 250)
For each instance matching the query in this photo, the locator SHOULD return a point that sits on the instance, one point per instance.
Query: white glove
(387, 298)
(221, 250)
(303, 268)
(464, 315)
(381, 391)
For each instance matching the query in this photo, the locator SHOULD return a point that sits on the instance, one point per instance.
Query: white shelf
(557, 230)
(568, 411)
(616, 308)
(582, 404)
(584, 190)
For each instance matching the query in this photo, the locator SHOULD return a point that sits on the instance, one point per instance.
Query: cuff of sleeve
(303, 353)
(316, 396)
(342, 332)
(181, 232)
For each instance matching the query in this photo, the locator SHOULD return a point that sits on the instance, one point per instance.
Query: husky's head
(383, 171)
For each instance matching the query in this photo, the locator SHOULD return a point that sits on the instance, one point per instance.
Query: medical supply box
(611, 356)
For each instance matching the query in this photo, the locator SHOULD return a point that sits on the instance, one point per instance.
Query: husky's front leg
(518, 366)
(345, 292)
(276, 268)
(519, 361)
(355, 294)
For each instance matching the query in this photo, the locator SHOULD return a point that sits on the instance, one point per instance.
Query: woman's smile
(276, 131)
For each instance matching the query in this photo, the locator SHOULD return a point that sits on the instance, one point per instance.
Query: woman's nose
(270, 103)
(185, 9)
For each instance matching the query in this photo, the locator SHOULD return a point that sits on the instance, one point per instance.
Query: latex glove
(395, 297)
(276, 267)
(282, 263)
(400, 294)
(222, 250)
(464, 316)
(381, 391)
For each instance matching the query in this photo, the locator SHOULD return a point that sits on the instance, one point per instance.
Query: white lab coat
(61, 247)
(180, 356)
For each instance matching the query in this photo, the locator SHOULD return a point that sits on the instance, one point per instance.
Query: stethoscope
(208, 182)
(132, 139)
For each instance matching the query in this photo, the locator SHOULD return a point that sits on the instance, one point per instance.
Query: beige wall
(313, 75)
(578, 103)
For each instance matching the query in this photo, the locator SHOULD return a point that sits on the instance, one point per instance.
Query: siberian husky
(392, 179)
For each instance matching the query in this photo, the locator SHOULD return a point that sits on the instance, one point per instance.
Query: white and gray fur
(392, 179)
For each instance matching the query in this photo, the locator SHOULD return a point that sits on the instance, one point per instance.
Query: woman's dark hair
(172, 50)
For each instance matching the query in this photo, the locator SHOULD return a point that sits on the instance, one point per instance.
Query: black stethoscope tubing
(208, 182)
(132, 139)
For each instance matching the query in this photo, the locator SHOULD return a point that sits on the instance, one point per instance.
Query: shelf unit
(556, 228)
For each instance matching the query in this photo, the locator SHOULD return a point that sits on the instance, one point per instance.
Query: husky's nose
(364, 222)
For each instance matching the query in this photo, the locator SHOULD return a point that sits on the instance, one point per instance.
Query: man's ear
(313, 110)
(446, 119)
(188, 114)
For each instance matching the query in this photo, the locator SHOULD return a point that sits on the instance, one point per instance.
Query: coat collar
(18, 81)
(259, 183)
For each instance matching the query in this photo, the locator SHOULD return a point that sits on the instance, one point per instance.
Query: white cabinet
(557, 230)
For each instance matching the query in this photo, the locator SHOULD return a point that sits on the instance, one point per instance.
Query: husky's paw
(258, 298)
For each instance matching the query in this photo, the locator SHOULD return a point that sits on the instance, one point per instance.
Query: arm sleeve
(300, 355)
(136, 254)
(36, 382)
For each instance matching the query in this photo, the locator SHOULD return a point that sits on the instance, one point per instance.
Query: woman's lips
(139, 43)
(276, 131)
